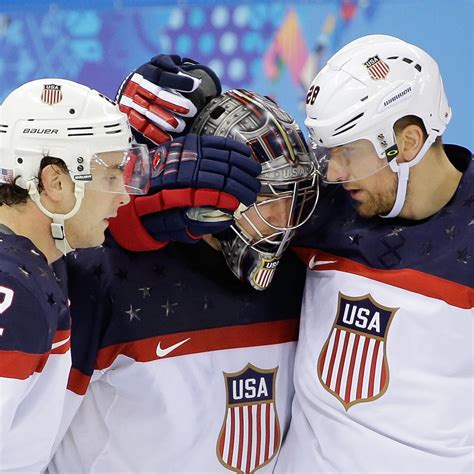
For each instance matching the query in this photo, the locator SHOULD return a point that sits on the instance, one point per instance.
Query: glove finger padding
(189, 172)
(215, 163)
(162, 96)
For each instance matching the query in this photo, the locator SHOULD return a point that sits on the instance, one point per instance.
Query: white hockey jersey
(384, 371)
(34, 354)
(191, 369)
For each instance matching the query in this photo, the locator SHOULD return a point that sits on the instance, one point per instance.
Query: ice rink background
(272, 47)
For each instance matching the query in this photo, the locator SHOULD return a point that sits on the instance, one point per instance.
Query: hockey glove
(207, 176)
(162, 96)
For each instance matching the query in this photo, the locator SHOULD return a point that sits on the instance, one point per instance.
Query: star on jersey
(169, 307)
(133, 313)
(24, 270)
(463, 256)
(355, 239)
(145, 291)
(426, 248)
(51, 299)
(451, 232)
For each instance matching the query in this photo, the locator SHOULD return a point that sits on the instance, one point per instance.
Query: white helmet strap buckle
(403, 172)
(57, 226)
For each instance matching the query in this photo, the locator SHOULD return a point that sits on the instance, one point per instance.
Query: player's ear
(410, 140)
(55, 183)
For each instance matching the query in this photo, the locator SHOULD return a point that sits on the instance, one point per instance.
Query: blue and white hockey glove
(206, 177)
(162, 96)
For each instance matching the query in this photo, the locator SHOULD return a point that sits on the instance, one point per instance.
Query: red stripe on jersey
(241, 436)
(373, 368)
(415, 281)
(231, 337)
(351, 369)
(342, 363)
(333, 357)
(78, 382)
(20, 365)
(249, 444)
(259, 434)
(363, 360)
(232, 436)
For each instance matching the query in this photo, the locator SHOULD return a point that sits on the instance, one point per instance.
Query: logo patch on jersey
(51, 94)
(250, 433)
(353, 363)
(377, 68)
(262, 276)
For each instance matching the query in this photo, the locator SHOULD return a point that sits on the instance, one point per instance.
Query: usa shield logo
(353, 364)
(51, 94)
(250, 435)
(377, 68)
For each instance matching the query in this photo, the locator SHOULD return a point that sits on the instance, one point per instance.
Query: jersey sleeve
(25, 342)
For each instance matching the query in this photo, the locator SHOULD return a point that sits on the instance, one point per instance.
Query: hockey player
(62, 176)
(384, 366)
(67, 163)
(184, 367)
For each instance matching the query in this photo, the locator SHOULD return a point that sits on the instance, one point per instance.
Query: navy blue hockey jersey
(34, 353)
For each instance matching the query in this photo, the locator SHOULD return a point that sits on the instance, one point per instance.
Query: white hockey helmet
(62, 119)
(362, 91)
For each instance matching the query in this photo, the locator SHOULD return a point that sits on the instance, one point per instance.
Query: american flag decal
(262, 276)
(353, 364)
(51, 94)
(6, 175)
(250, 434)
(377, 68)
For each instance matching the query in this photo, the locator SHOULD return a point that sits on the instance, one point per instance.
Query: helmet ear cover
(288, 172)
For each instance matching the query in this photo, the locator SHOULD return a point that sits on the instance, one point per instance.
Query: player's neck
(432, 184)
(28, 221)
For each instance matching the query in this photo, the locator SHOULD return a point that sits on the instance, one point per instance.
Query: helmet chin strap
(57, 226)
(403, 172)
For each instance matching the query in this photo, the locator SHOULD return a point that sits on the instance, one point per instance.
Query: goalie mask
(254, 245)
(62, 119)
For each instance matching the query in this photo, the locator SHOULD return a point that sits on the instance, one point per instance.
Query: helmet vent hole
(407, 60)
(217, 112)
(364, 98)
(393, 57)
(418, 67)
(72, 111)
(19, 161)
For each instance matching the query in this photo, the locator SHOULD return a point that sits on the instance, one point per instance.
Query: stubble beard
(377, 203)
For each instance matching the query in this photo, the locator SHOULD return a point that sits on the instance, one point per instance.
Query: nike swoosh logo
(160, 352)
(316, 263)
(55, 345)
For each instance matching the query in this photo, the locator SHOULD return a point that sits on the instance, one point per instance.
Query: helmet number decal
(312, 94)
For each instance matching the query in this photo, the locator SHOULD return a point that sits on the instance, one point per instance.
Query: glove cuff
(129, 232)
